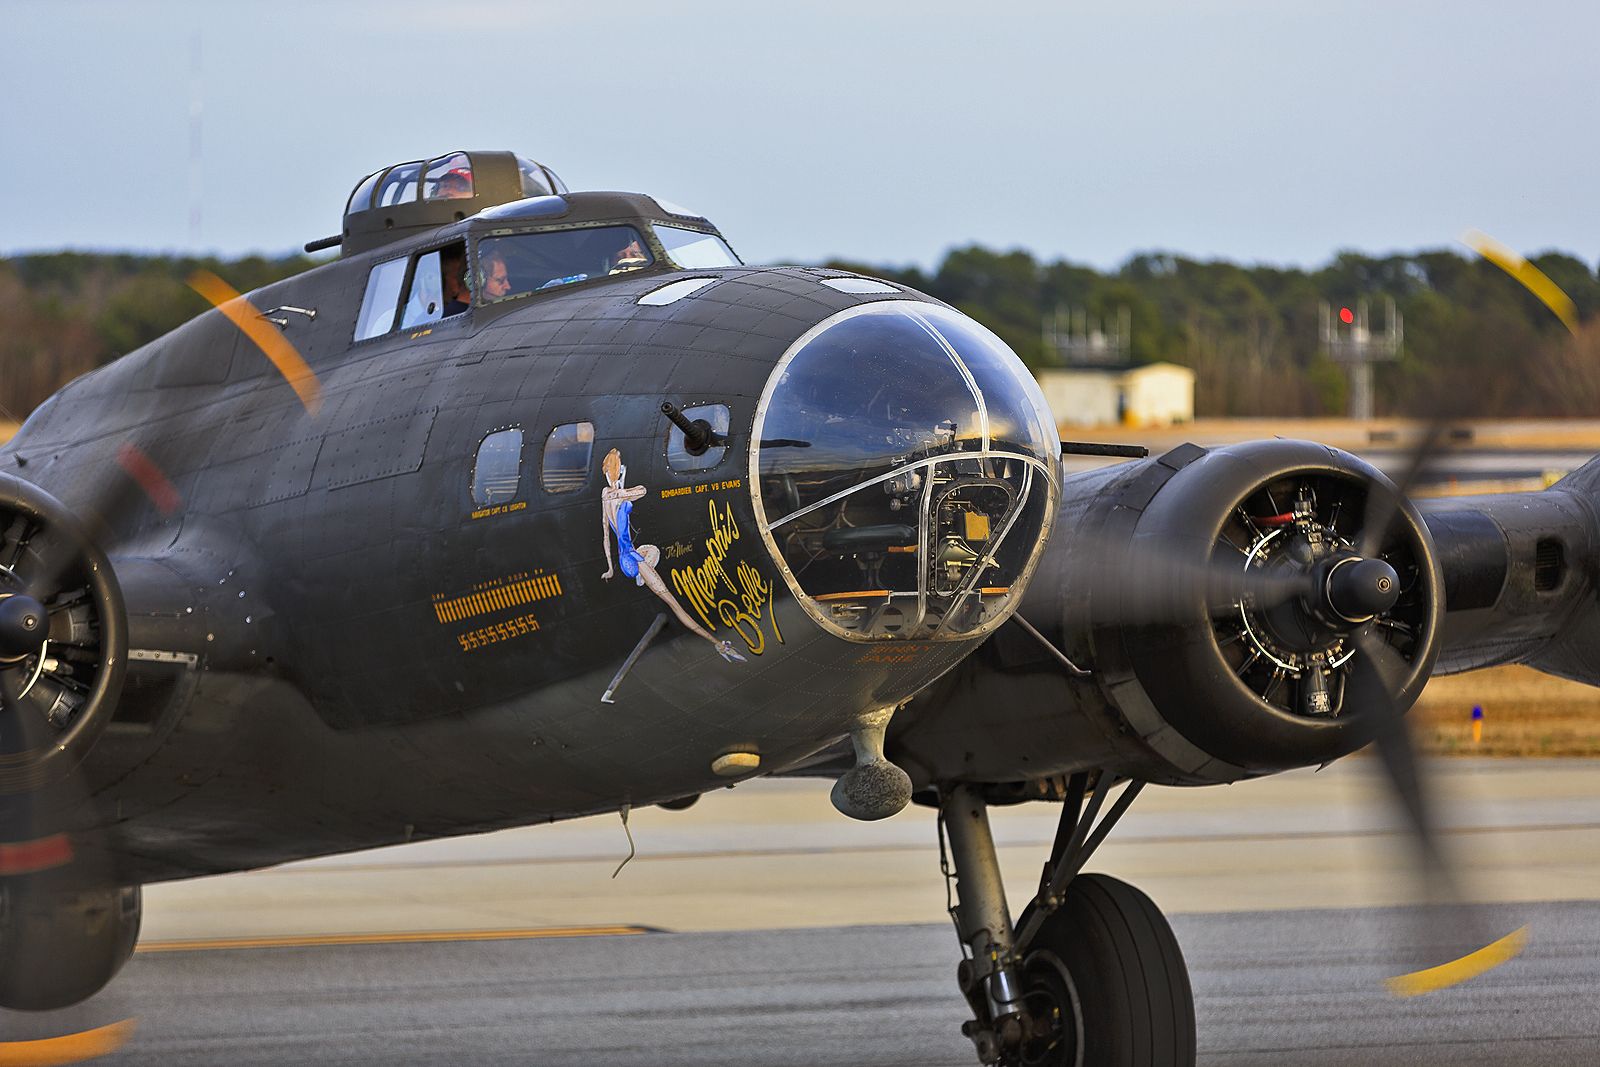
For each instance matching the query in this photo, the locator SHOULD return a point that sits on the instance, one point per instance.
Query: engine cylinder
(71, 679)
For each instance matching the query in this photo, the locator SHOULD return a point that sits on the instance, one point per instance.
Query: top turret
(421, 195)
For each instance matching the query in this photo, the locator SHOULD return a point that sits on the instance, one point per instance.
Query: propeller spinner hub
(1357, 589)
(24, 623)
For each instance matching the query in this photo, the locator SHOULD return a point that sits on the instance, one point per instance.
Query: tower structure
(1076, 338)
(1348, 338)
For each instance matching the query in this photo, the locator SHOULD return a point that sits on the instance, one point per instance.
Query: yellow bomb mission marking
(740, 601)
(500, 598)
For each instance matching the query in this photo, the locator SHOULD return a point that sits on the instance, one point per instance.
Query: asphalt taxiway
(771, 931)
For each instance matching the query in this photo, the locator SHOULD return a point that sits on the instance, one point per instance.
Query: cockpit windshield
(695, 249)
(528, 262)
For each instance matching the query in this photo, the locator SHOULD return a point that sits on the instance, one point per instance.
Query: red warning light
(1346, 316)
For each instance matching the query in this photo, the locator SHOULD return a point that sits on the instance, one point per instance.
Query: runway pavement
(798, 937)
(1285, 988)
(774, 854)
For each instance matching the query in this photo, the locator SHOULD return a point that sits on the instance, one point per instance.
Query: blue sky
(1257, 130)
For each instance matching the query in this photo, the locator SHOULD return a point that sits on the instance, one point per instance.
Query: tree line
(63, 314)
(1476, 342)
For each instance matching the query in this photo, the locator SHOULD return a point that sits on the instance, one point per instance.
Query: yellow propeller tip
(283, 355)
(1455, 972)
(70, 1048)
(1532, 278)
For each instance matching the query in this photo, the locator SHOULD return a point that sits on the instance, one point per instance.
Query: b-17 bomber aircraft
(537, 504)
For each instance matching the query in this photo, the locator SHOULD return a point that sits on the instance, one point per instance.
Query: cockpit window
(399, 185)
(438, 287)
(425, 302)
(448, 178)
(381, 300)
(525, 263)
(693, 250)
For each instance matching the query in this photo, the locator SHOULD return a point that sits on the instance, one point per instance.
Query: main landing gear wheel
(1106, 971)
(1091, 975)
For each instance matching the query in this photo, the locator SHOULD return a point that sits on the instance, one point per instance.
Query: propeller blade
(136, 481)
(1384, 504)
(1378, 672)
(1376, 676)
(48, 560)
(277, 348)
(1532, 278)
(27, 844)
(1140, 583)
(1479, 961)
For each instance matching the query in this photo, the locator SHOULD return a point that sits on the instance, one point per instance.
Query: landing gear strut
(1091, 974)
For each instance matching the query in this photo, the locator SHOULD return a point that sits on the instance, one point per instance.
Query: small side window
(497, 472)
(567, 452)
(679, 458)
(382, 299)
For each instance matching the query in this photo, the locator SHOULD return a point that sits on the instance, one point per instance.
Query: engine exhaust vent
(1549, 563)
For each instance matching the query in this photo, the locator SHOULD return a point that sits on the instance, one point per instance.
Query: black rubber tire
(1131, 981)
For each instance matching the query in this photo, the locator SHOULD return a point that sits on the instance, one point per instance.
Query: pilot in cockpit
(453, 268)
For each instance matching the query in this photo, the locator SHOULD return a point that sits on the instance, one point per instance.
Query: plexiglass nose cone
(905, 472)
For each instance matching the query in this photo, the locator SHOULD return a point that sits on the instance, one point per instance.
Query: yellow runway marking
(273, 344)
(72, 1048)
(1532, 278)
(1455, 972)
(418, 937)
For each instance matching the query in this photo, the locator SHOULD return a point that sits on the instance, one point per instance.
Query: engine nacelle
(69, 677)
(60, 946)
(1220, 681)
(1165, 581)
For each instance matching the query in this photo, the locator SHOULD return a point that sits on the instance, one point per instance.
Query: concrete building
(1153, 394)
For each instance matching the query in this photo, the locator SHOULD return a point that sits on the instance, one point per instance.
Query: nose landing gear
(1091, 975)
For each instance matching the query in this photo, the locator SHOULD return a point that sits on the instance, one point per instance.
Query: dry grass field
(1505, 434)
(1525, 713)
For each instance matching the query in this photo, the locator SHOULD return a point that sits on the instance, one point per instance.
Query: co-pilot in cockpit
(527, 262)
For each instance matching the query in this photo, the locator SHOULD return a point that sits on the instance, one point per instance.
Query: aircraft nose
(905, 470)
